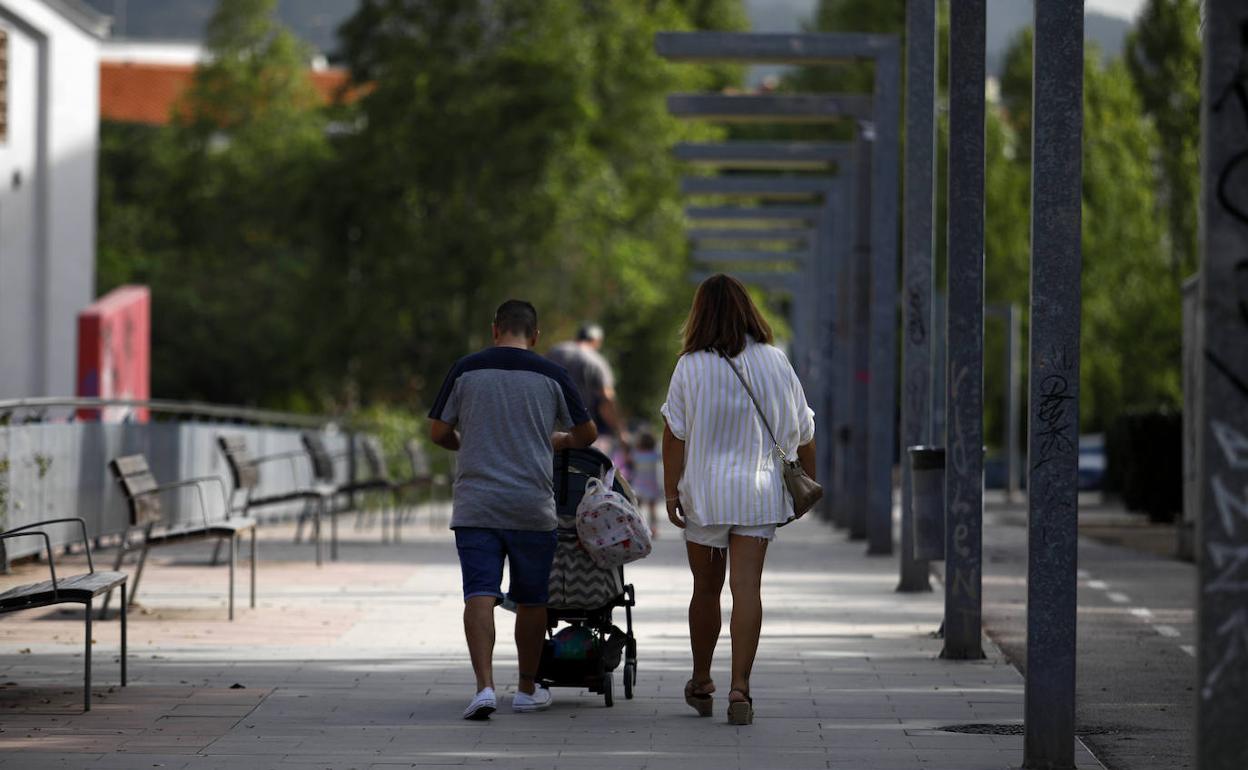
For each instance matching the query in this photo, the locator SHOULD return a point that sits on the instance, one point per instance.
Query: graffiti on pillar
(916, 327)
(1238, 90)
(917, 382)
(1055, 412)
(965, 577)
(1234, 634)
(1228, 559)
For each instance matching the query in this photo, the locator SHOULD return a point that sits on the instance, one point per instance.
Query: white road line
(1169, 631)
(1120, 598)
(1142, 613)
(1189, 649)
(1099, 585)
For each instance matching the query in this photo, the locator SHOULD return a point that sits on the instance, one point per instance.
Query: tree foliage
(215, 213)
(1131, 312)
(305, 257)
(1163, 56)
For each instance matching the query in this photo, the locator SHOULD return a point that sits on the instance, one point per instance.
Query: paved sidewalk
(361, 664)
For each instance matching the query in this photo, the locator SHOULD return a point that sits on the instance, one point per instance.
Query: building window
(4, 85)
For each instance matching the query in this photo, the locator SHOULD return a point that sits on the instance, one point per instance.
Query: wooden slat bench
(323, 469)
(147, 516)
(77, 589)
(245, 474)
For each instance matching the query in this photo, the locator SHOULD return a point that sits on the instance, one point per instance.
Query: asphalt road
(1136, 668)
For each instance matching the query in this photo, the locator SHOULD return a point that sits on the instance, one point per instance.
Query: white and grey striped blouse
(731, 474)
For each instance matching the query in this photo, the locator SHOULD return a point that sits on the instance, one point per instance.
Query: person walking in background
(504, 409)
(722, 480)
(645, 478)
(595, 381)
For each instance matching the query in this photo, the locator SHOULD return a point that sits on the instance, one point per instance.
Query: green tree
(1163, 55)
(513, 148)
(1131, 314)
(217, 215)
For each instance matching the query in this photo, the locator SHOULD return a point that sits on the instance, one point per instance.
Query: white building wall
(47, 222)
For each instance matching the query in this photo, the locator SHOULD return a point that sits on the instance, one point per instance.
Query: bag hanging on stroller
(608, 525)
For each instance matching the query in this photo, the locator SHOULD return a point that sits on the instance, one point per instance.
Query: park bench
(325, 472)
(245, 475)
(147, 516)
(79, 589)
(421, 478)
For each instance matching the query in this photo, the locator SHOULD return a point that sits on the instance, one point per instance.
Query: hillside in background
(316, 21)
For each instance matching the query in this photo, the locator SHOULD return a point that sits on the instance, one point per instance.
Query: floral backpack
(608, 525)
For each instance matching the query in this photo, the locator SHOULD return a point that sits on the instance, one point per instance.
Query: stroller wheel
(608, 684)
(630, 678)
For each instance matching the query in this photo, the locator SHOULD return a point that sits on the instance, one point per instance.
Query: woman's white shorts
(716, 535)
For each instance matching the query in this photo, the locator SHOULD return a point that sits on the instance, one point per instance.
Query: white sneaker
(482, 705)
(540, 700)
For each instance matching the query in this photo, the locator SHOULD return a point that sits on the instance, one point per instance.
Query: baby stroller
(589, 646)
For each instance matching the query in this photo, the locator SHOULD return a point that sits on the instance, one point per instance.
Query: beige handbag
(804, 490)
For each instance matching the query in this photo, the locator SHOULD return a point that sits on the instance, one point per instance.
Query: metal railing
(53, 464)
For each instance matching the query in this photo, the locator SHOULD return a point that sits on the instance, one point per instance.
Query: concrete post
(836, 252)
(858, 295)
(919, 232)
(1013, 403)
(1185, 545)
(964, 469)
(1053, 426)
(882, 438)
(1222, 530)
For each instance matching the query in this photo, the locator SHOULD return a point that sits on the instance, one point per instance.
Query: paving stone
(362, 664)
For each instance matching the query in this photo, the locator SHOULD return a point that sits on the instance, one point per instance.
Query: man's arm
(806, 456)
(443, 434)
(579, 437)
(610, 414)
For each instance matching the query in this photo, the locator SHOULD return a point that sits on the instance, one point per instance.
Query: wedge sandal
(741, 712)
(701, 702)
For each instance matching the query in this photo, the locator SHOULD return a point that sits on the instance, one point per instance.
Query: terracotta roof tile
(133, 92)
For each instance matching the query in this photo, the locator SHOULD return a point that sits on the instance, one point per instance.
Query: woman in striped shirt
(721, 477)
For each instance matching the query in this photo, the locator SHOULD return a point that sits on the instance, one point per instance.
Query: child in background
(645, 481)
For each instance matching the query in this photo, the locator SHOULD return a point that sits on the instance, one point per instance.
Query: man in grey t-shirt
(594, 379)
(506, 410)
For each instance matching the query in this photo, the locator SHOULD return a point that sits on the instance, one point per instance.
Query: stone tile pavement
(361, 664)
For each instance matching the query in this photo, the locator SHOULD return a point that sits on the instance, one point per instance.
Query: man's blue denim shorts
(528, 554)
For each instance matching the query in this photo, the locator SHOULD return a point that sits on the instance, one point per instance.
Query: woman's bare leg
(746, 555)
(707, 565)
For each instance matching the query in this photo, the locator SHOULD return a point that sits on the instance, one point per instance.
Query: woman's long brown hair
(721, 317)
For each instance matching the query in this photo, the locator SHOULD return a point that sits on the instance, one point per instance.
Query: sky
(1127, 8)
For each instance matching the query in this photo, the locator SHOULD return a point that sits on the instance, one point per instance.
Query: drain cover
(984, 729)
(1012, 728)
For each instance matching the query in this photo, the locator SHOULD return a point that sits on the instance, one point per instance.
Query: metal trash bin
(927, 501)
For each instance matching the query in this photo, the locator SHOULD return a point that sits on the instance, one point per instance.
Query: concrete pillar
(1013, 403)
(882, 438)
(964, 468)
(1053, 425)
(1222, 412)
(858, 388)
(919, 234)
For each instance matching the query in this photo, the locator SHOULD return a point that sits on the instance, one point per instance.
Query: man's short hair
(589, 333)
(515, 316)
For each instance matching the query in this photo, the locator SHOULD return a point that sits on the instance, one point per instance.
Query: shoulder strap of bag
(757, 407)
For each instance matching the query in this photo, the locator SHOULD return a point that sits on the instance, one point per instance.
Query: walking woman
(722, 479)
